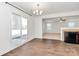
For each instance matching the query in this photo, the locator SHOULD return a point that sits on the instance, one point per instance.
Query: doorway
(50, 30)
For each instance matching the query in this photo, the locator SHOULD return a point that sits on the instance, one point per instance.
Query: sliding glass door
(24, 27)
(18, 27)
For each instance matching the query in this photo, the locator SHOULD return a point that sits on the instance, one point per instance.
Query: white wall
(5, 27)
(30, 28)
(37, 27)
(56, 26)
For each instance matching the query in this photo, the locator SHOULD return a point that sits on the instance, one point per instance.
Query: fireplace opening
(71, 37)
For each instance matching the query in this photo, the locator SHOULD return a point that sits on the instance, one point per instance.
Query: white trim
(62, 31)
(12, 48)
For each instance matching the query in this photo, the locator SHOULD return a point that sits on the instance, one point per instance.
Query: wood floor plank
(46, 47)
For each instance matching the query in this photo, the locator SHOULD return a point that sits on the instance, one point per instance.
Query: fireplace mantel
(66, 29)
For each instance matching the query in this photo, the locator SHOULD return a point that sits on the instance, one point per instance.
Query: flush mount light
(37, 11)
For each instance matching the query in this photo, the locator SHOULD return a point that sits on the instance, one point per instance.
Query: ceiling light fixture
(37, 11)
(62, 19)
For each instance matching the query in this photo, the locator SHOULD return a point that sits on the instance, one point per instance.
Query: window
(24, 27)
(19, 26)
(71, 24)
(49, 26)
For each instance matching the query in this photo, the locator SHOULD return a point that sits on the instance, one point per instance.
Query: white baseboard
(12, 48)
(52, 33)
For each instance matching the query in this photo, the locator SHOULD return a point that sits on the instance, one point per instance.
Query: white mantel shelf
(66, 29)
(70, 28)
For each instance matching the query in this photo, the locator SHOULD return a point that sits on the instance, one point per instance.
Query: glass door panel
(24, 27)
(16, 26)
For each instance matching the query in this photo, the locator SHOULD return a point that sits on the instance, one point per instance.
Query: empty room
(39, 28)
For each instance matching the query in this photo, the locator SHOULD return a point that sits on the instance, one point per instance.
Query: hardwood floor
(45, 47)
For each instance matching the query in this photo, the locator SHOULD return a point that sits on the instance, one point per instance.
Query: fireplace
(70, 35)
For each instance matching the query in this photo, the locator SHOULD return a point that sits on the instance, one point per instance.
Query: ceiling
(48, 7)
(58, 19)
